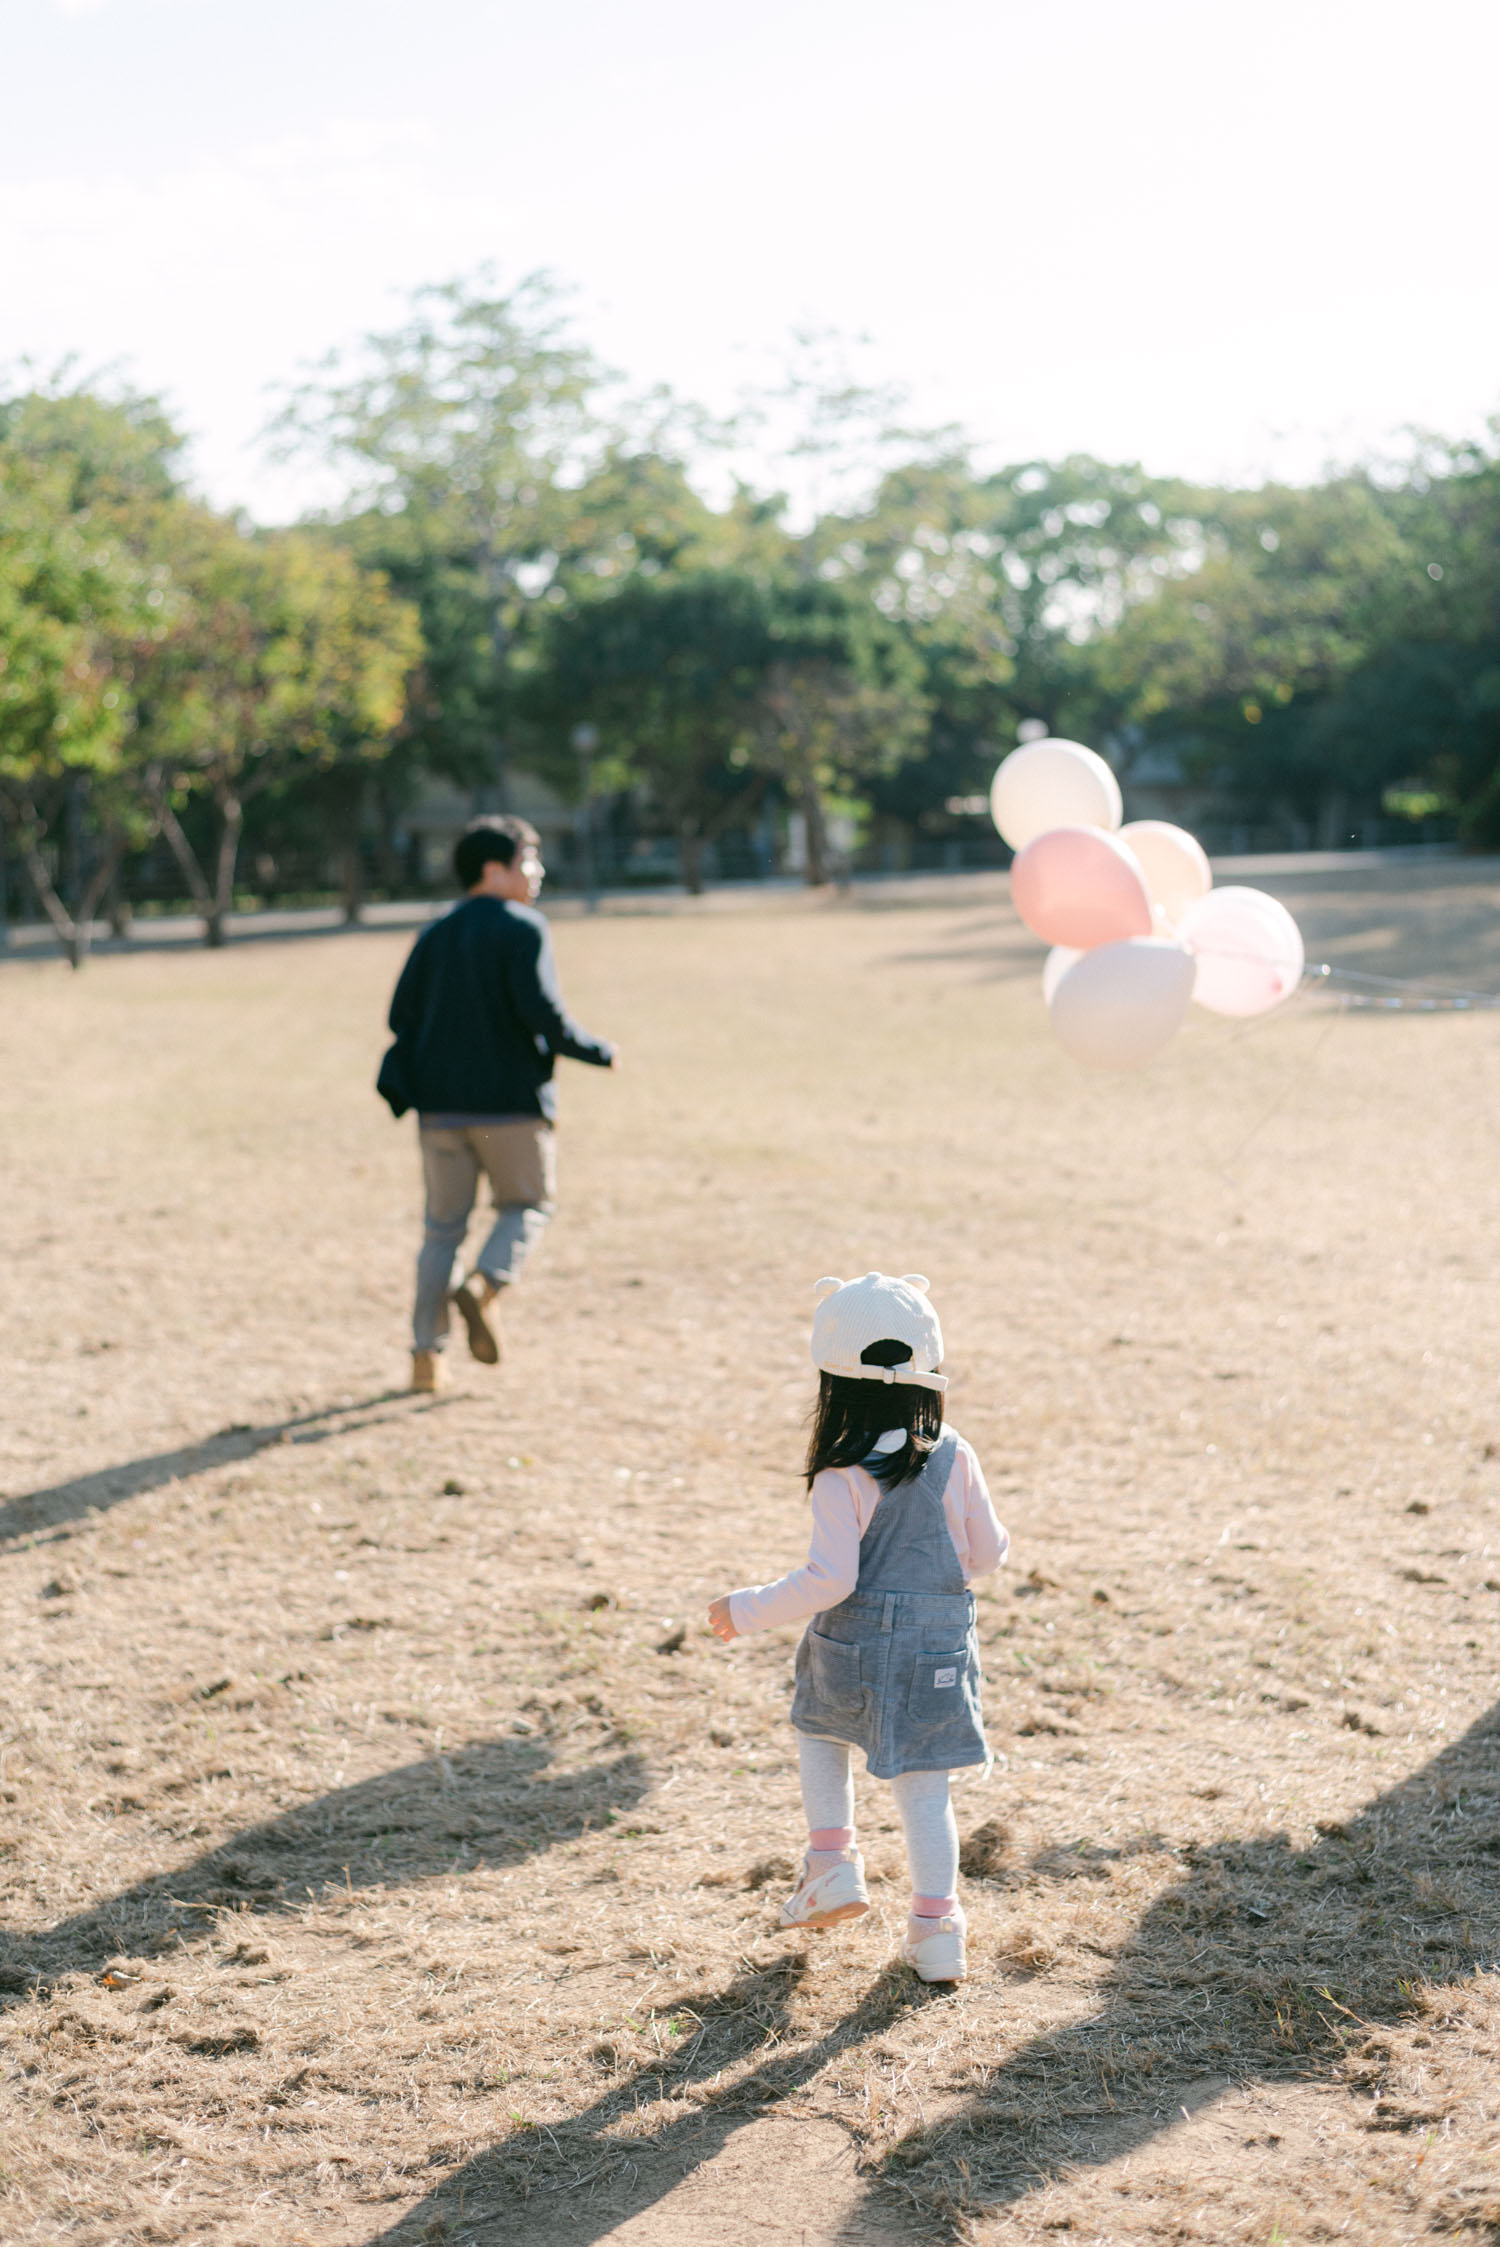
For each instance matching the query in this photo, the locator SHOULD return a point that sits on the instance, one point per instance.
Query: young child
(902, 1523)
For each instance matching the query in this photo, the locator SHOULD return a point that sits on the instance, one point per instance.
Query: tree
(840, 700)
(70, 595)
(1240, 652)
(283, 658)
(1016, 576)
(709, 686)
(465, 432)
(1440, 660)
(1288, 591)
(88, 483)
(667, 668)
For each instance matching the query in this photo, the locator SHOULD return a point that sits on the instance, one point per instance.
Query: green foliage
(665, 667)
(470, 414)
(150, 648)
(466, 431)
(841, 701)
(521, 551)
(283, 657)
(280, 650)
(82, 482)
(1318, 651)
(493, 492)
(114, 459)
(71, 596)
(706, 685)
(1279, 593)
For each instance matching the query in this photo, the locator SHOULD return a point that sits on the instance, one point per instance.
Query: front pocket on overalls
(834, 1668)
(937, 1684)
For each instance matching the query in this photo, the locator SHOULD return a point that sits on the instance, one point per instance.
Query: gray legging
(520, 1162)
(922, 1802)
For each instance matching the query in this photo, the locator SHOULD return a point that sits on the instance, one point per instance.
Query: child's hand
(720, 1621)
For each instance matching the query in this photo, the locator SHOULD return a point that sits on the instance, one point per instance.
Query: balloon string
(1430, 998)
(1296, 1077)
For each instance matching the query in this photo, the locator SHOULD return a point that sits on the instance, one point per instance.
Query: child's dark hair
(849, 1415)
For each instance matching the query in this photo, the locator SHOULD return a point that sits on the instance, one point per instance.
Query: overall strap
(906, 1547)
(933, 1480)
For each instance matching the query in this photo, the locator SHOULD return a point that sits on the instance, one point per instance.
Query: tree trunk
(231, 822)
(74, 931)
(182, 850)
(73, 877)
(811, 803)
(117, 906)
(389, 858)
(1333, 820)
(496, 567)
(351, 857)
(690, 845)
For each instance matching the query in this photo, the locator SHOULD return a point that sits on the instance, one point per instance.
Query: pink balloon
(1080, 886)
(1248, 949)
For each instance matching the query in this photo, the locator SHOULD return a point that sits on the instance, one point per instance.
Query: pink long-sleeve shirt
(843, 1502)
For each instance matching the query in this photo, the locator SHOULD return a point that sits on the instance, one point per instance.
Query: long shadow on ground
(33, 1513)
(580, 2180)
(491, 1800)
(1264, 1963)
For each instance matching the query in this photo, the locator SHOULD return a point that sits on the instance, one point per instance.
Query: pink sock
(935, 1907)
(828, 1846)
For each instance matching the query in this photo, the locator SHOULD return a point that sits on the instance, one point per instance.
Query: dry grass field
(372, 1874)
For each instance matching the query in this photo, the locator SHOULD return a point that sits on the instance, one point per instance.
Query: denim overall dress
(894, 1668)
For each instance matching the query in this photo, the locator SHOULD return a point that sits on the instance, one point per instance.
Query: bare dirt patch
(369, 1873)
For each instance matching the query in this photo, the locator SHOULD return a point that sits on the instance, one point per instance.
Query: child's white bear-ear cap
(851, 1314)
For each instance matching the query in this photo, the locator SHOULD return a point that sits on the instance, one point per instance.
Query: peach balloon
(1051, 783)
(1121, 1002)
(1248, 948)
(1079, 886)
(1173, 861)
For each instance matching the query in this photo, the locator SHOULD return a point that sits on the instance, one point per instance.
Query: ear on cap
(826, 1287)
(916, 1280)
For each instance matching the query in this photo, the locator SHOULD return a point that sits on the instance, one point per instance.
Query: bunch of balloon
(1136, 927)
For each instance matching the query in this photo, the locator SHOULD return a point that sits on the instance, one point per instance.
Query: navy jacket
(479, 1018)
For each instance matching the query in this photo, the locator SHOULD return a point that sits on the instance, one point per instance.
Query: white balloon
(1173, 861)
(1119, 1004)
(1056, 966)
(1051, 783)
(1248, 948)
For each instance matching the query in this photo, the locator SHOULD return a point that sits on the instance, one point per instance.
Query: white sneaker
(823, 1899)
(940, 1956)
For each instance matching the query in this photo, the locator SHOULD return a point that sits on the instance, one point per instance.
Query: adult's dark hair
(850, 1414)
(496, 835)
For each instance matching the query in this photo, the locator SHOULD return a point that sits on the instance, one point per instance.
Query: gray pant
(520, 1162)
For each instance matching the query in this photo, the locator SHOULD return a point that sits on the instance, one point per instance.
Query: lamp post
(585, 740)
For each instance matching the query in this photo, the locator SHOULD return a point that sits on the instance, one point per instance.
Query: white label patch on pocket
(945, 1677)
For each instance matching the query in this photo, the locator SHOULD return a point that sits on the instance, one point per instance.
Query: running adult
(479, 1021)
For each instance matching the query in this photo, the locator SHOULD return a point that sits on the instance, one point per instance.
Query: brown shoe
(472, 1299)
(428, 1372)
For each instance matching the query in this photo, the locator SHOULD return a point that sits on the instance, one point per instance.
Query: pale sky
(1227, 237)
